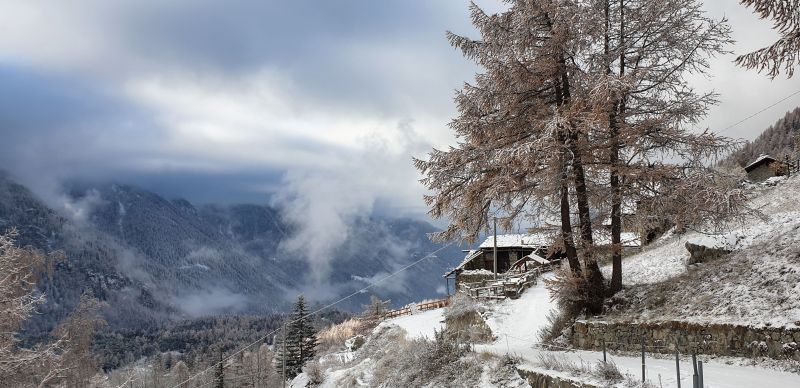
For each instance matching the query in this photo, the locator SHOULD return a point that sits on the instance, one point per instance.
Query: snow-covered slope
(420, 325)
(757, 284)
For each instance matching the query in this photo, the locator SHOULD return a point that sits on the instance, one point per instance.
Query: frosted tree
(24, 367)
(784, 54)
(649, 47)
(375, 310)
(519, 153)
(180, 373)
(78, 332)
(580, 104)
(300, 342)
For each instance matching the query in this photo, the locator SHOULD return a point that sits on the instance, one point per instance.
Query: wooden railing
(507, 285)
(414, 308)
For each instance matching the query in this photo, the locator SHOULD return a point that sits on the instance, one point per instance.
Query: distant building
(763, 168)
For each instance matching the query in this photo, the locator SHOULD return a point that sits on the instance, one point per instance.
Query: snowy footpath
(516, 324)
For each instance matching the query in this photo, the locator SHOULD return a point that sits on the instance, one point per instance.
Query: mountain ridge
(155, 259)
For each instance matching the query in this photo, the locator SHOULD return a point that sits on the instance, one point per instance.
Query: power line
(361, 291)
(760, 111)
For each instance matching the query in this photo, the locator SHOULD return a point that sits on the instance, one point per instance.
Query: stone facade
(666, 337)
(763, 172)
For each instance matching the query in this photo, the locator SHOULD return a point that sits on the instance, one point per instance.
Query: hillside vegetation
(778, 140)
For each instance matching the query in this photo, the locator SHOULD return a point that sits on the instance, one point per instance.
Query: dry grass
(335, 336)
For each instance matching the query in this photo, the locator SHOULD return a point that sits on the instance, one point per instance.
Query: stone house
(764, 168)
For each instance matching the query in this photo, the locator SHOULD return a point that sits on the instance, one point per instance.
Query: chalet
(516, 254)
(763, 168)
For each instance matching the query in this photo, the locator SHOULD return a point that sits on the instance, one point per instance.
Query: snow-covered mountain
(154, 259)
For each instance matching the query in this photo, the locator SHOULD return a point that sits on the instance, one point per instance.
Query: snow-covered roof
(538, 259)
(761, 159)
(535, 240)
(469, 257)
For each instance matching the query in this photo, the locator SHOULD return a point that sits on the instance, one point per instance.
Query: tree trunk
(566, 221)
(595, 289)
(616, 195)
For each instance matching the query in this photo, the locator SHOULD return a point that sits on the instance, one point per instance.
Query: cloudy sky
(233, 100)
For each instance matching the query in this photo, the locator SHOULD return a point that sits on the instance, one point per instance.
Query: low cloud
(209, 302)
(79, 209)
(323, 203)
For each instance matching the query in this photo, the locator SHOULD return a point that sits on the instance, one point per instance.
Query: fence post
(694, 365)
(643, 366)
(700, 374)
(678, 366)
(604, 350)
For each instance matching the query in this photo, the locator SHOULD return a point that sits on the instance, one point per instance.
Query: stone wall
(665, 337)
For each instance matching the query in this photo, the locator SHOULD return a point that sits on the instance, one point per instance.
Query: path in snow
(516, 324)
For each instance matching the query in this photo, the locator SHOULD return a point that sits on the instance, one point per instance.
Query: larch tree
(78, 332)
(648, 49)
(783, 54)
(21, 268)
(584, 105)
(520, 153)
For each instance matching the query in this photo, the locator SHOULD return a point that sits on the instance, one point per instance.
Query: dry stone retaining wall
(666, 337)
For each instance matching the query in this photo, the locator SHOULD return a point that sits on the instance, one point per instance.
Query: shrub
(314, 372)
(557, 321)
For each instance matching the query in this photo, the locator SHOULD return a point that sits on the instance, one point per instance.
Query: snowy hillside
(755, 285)
(515, 325)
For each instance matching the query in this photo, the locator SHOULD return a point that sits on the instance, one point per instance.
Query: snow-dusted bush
(464, 321)
(557, 322)
(461, 304)
(608, 372)
(434, 363)
(314, 373)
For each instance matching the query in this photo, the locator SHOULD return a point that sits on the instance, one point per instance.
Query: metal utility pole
(283, 357)
(495, 248)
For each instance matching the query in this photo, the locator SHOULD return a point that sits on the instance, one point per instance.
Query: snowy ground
(516, 323)
(756, 285)
(666, 257)
(420, 325)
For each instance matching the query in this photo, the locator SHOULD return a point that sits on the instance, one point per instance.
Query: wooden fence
(418, 307)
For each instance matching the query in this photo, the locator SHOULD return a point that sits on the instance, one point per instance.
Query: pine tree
(785, 52)
(300, 342)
